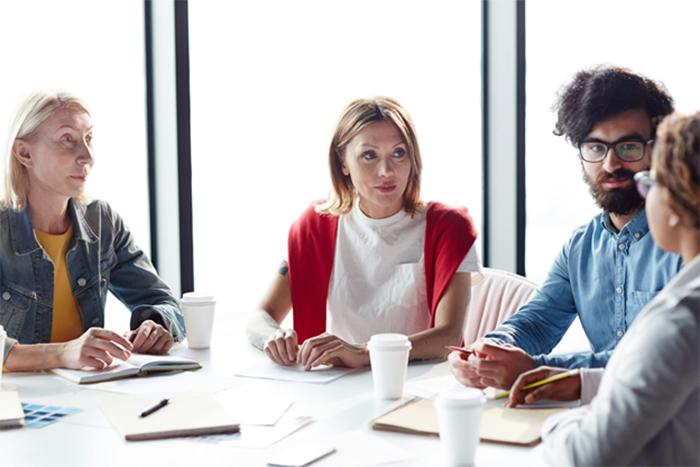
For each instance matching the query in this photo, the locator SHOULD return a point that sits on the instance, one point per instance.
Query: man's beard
(618, 200)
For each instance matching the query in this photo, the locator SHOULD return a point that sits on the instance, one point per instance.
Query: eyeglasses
(644, 183)
(630, 150)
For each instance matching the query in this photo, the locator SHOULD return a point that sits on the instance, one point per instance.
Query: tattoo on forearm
(284, 268)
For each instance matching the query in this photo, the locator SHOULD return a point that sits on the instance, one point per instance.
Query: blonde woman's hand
(95, 348)
(151, 337)
(282, 347)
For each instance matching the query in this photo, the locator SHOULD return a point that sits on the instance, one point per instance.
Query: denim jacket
(603, 276)
(101, 256)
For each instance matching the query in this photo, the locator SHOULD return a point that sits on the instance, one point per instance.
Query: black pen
(155, 408)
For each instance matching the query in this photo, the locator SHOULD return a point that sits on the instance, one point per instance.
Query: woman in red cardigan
(372, 258)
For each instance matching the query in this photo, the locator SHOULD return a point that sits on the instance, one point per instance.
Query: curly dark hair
(602, 92)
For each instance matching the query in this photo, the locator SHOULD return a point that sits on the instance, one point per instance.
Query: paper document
(254, 407)
(259, 437)
(374, 451)
(178, 382)
(267, 369)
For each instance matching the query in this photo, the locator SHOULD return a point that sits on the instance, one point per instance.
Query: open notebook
(521, 426)
(11, 413)
(137, 365)
(186, 414)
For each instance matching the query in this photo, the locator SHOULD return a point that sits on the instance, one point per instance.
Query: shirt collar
(637, 227)
(22, 231)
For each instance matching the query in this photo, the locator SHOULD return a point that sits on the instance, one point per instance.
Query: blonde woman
(373, 257)
(60, 253)
(645, 407)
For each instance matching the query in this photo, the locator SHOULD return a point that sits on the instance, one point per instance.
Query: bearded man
(610, 268)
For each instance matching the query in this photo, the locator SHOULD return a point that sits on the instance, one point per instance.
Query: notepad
(137, 365)
(11, 413)
(187, 414)
(498, 424)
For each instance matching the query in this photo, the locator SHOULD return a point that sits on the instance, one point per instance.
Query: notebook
(11, 413)
(186, 414)
(137, 365)
(499, 424)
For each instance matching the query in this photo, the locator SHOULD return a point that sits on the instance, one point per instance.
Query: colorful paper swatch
(38, 415)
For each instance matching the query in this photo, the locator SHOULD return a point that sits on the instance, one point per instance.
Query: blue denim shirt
(102, 256)
(605, 278)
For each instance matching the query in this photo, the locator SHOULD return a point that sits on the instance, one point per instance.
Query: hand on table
(95, 348)
(327, 348)
(282, 347)
(567, 389)
(151, 337)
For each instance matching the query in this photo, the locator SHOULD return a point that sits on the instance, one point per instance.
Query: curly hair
(602, 92)
(676, 161)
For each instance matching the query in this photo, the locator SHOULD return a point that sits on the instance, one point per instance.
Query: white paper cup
(459, 422)
(388, 355)
(198, 310)
(3, 336)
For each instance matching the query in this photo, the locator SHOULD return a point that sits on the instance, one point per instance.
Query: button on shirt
(603, 276)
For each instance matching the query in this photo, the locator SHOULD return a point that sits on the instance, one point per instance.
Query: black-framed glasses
(644, 182)
(629, 150)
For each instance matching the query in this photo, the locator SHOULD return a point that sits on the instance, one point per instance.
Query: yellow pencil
(542, 382)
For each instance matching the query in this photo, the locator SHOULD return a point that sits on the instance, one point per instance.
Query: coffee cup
(198, 311)
(388, 354)
(459, 423)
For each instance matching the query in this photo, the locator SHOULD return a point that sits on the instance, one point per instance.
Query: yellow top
(66, 323)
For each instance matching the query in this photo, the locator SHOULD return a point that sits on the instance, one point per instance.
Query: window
(562, 38)
(96, 51)
(268, 81)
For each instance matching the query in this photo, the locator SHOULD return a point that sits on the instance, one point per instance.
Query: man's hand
(95, 348)
(327, 348)
(463, 371)
(567, 389)
(151, 337)
(498, 366)
(282, 347)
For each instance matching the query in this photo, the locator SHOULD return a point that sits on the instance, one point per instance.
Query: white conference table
(342, 408)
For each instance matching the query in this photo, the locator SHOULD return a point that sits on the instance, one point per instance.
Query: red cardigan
(449, 234)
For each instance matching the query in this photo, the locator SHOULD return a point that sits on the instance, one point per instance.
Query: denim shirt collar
(22, 231)
(637, 227)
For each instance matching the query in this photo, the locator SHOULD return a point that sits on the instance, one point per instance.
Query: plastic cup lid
(389, 340)
(461, 397)
(198, 297)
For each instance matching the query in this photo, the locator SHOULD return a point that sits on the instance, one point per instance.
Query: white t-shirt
(378, 279)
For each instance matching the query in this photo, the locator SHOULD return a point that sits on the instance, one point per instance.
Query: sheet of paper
(374, 450)
(258, 407)
(266, 369)
(258, 437)
(430, 387)
(187, 381)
